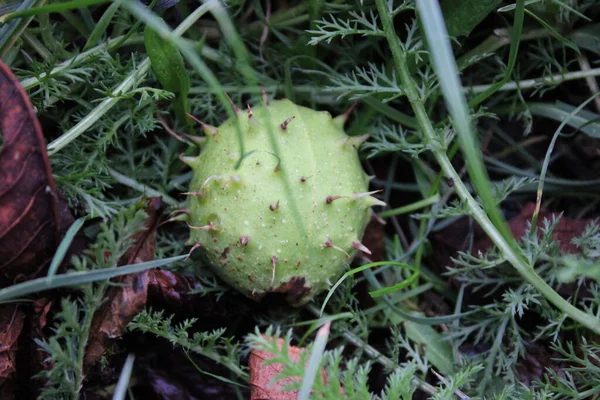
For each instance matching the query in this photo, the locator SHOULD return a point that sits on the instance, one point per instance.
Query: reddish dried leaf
(262, 377)
(37, 321)
(373, 239)
(565, 230)
(456, 236)
(30, 214)
(11, 323)
(125, 301)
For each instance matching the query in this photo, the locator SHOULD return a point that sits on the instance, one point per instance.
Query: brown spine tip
(356, 141)
(244, 240)
(209, 227)
(373, 201)
(177, 215)
(235, 108)
(274, 206)
(265, 97)
(208, 129)
(197, 140)
(304, 178)
(250, 113)
(298, 264)
(377, 218)
(331, 199)
(329, 244)
(341, 119)
(190, 161)
(359, 246)
(180, 211)
(194, 247)
(285, 123)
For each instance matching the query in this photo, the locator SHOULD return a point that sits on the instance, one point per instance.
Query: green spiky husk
(268, 224)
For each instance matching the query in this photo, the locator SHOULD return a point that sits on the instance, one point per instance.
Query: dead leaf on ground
(373, 239)
(262, 377)
(11, 324)
(37, 320)
(31, 216)
(565, 230)
(456, 236)
(125, 301)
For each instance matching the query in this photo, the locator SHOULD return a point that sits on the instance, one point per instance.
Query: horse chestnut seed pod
(292, 214)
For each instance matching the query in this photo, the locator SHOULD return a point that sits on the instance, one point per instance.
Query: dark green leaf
(169, 68)
(462, 16)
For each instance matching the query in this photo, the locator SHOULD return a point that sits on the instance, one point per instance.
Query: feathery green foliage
(444, 147)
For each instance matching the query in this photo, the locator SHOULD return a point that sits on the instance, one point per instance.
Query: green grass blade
(447, 71)
(63, 247)
(79, 277)
(540, 189)
(411, 207)
(124, 377)
(515, 40)
(314, 364)
(101, 26)
(51, 8)
(219, 377)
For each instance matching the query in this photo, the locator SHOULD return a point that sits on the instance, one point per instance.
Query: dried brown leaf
(11, 324)
(31, 217)
(126, 300)
(262, 376)
(565, 230)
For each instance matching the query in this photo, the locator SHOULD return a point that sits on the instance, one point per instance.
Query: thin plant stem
(509, 251)
(538, 82)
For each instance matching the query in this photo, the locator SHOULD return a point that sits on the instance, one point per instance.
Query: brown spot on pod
(224, 255)
(295, 289)
(295, 285)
